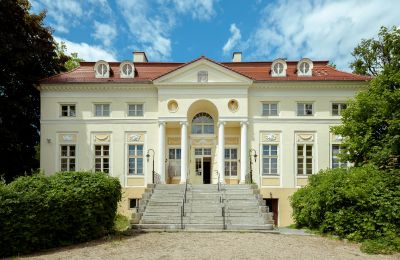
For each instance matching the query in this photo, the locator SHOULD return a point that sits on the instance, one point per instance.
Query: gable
(217, 74)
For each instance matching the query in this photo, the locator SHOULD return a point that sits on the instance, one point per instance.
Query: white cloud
(199, 9)
(104, 32)
(233, 40)
(87, 52)
(319, 29)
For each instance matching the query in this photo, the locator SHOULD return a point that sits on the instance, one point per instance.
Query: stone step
(249, 227)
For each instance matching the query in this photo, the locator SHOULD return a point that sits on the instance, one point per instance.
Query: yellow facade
(178, 97)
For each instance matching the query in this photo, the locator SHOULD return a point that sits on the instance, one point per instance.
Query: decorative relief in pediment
(269, 137)
(135, 137)
(69, 138)
(305, 137)
(102, 138)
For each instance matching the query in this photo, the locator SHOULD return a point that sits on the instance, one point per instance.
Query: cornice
(310, 84)
(95, 87)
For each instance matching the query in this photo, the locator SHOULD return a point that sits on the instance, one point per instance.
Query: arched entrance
(202, 118)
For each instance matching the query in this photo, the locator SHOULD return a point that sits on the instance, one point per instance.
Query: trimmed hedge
(39, 212)
(360, 203)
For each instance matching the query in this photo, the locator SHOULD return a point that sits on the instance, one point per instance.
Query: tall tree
(27, 54)
(371, 123)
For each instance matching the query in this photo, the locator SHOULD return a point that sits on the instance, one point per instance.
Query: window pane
(139, 165)
(300, 109)
(171, 154)
(207, 151)
(233, 153)
(64, 110)
(233, 168)
(72, 111)
(196, 129)
(131, 149)
(300, 150)
(64, 164)
(64, 150)
(274, 150)
(309, 109)
(97, 150)
(308, 150)
(208, 129)
(227, 153)
(265, 108)
(106, 150)
(72, 150)
(139, 150)
(132, 165)
(198, 151)
(106, 110)
(98, 109)
(226, 168)
(178, 154)
(266, 165)
(72, 165)
(266, 149)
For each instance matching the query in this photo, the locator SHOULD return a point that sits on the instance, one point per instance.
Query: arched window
(202, 123)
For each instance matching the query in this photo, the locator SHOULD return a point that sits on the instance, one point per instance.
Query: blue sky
(182, 30)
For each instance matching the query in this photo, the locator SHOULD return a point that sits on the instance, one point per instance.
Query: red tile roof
(149, 71)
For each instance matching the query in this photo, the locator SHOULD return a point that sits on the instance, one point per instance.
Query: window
(270, 109)
(278, 68)
(337, 108)
(202, 123)
(202, 76)
(202, 151)
(174, 167)
(270, 159)
(133, 203)
(304, 67)
(102, 109)
(127, 70)
(102, 158)
(305, 109)
(336, 163)
(67, 158)
(68, 110)
(135, 159)
(230, 162)
(135, 110)
(304, 159)
(102, 69)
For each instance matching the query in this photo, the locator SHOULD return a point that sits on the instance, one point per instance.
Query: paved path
(212, 246)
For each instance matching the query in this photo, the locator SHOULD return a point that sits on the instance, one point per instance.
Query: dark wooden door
(206, 170)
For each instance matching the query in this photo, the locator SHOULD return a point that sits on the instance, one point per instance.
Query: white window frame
(299, 67)
(121, 70)
(102, 109)
(305, 157)
(304, 104)
(67, 157)
(174, 163)
(231, 160)
(269, 108)
(340, 107)
(103, 156)
(69, 110)
(135, 110)
(333, 156)
(135, 156)
(270, 156)
(102, 63)
(277, 73)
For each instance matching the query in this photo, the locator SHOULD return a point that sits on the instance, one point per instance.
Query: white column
(221, 151)
(184, 152)
(243, 151)
(161, 151)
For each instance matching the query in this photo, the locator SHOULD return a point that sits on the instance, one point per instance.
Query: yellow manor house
(201, 122)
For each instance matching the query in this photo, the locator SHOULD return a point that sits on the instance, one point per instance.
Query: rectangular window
(68, 110)
(102, 158)
(231, 162)
(135, 110)
(336, 163)
(67, 158)
(133, 203)
(174, 166)
(305, 109)
(304, 159)
(337, 108)
(102, 109)
(270, 159)
(270, 109)
(135, 159)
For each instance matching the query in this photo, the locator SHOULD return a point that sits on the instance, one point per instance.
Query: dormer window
(127, 70)
(304, 67)
(202, 76)
(279, 68)
(102, 69)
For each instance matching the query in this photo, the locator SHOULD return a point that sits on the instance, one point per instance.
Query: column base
(242, 182)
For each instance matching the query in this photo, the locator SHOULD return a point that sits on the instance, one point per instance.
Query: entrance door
(207, 170)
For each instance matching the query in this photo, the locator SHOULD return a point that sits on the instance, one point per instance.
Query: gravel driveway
(184, 245)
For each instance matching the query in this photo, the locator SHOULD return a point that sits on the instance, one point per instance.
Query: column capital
(184, 123)
(221, 123)
(244, 122)
(163, 123)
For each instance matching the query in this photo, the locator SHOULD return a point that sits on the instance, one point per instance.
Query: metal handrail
(223, 218)
(218, 181)
(184, 200)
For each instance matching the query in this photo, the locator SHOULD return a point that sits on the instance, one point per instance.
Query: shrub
(39, 212)
(360, 203)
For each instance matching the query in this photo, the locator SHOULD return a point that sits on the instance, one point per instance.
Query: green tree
(70, 62)
(27, 54)
(371, 124)
(372, 56)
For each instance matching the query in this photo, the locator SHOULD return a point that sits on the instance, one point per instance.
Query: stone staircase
(207, 206)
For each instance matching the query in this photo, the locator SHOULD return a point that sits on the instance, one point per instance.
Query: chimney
(139, 56)
(237, 57)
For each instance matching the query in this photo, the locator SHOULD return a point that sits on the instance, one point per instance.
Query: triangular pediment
(216, 74)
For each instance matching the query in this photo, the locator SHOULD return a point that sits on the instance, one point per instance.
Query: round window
(172, 106)
(233, 105)
(278, 68)
(102, 69)
(127, 69)
(304, 67)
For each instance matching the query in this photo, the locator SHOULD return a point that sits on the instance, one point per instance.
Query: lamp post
(253, 153)
(148, 157)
